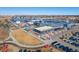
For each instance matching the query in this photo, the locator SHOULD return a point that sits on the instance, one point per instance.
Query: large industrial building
(46, 28)
(39, 34)
(43, 29)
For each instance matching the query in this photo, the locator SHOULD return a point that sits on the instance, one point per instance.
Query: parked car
(75, 50)
(70, 50)
(66, 49)
(57, 45)
(54, 42)
(20, 50)
(25, 50)
(77, 45)
(38, 50)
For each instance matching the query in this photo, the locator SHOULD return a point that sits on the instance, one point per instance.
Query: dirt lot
(25, 38)
(13, 48)
(3, 34)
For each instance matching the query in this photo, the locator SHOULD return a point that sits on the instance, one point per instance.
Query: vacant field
(13, 48)
(25, 38)
(3, 34)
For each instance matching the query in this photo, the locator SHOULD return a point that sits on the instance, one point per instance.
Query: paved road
(55, 38)
(62, 42)
(14, 41)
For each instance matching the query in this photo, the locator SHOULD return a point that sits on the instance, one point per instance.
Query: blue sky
(39, 10)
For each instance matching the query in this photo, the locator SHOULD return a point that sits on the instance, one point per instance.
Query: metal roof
(44, 28)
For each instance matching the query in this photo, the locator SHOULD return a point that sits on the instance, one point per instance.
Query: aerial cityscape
(39, 33)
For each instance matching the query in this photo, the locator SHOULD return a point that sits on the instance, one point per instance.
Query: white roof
(30, 22)
(17, 22)
(44, 28)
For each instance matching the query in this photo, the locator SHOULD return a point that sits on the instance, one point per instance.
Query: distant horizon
(38, 15)
(39, 10)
